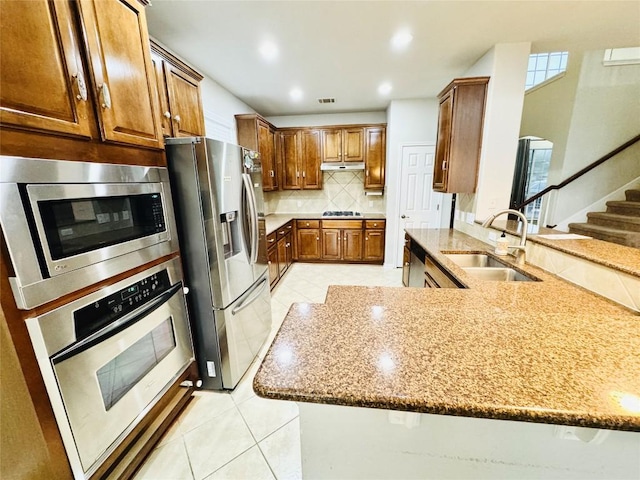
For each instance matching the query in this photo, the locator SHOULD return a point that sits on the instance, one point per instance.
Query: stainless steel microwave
(68, 225)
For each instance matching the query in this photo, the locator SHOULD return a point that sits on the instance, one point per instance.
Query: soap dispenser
(502, 245)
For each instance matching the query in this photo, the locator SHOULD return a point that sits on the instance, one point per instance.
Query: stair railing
(575, 176)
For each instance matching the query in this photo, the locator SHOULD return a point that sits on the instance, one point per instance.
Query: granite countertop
(276, 220)
(618, 257)
(545, 351)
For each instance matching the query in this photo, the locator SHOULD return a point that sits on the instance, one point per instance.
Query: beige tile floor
(238, 435)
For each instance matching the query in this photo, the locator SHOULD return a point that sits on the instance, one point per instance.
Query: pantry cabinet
(343, 144)
(255, 133)
(77, 82)
(178, 87)
(460, 122)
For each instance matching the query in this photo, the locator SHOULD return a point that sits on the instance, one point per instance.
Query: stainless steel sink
(497, 274)
(486, 267)
(474, 260)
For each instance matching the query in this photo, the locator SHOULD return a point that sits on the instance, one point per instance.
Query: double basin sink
(486, 267)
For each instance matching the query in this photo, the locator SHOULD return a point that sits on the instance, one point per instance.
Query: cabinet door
(331, 244)
(443, 143)
(282, 256)
(375, 155)
(118, 44)
(272, 255)
(352, 245)
(374, 245)
(353, 144)
(289, 249)
(41, 73)
(309, 244)
(185, 103)
(266, 148)
(310, 159)
(406, 265)
(332, 145)
(163, 97)
(289, 148)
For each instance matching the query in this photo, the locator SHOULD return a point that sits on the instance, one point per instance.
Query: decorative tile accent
(340, 191)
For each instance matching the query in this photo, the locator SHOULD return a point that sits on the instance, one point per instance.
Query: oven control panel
(93, 317)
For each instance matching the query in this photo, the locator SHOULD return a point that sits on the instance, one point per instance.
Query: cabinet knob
(289, 227)
(406, 264)
(177, 118)
(287, 245)
(307, 224)
(82, 87)
(281, 233)
(366, 238)
(105, 96)
(317, 238)
(375, 224)
(272, 173)
(271, 241)
(167, 114)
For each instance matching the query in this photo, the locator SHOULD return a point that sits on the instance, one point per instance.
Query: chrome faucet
(520, 251)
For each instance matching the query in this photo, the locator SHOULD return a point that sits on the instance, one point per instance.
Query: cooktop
(341, 213)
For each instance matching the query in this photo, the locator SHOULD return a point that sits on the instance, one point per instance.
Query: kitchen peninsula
(517, 359)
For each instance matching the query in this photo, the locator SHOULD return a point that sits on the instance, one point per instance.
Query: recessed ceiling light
(384, 88)
(295, 94)
(268, 50)
(401, 40)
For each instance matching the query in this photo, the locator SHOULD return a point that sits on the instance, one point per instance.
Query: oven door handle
(115, 327)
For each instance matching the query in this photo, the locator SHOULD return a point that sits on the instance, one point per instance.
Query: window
(543, 66)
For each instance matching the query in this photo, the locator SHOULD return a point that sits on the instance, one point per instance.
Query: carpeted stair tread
(622, 237)
(632, 195)
(614, 220)
(624, 208)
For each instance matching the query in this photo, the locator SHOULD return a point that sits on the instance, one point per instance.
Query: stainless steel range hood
(338, 166)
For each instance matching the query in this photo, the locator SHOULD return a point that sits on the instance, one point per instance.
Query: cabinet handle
(281, 233)
(177, 118)
(287, 245)
(298, 176)
(105, 96)
(444, 165)
(367, 172)
(289, 227)
(271, 241)
(304, 174)
(82, 87)
(167, 114)
(271, 173)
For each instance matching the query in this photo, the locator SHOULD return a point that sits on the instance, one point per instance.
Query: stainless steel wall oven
(68, 225)
(108, 357)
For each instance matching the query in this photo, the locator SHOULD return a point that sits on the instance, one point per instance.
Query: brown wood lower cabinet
(308, 239)
(342, 240)
(279, 252)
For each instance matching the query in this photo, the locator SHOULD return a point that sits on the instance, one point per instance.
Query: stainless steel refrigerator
(217, 191)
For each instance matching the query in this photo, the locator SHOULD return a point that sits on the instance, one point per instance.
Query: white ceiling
(342, 49)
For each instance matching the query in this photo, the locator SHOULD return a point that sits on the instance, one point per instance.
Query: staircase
(619, 224)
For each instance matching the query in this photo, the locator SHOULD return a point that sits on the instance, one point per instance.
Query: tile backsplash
(340, 191)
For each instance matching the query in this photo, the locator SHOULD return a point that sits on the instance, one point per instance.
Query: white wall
(219, 107)
(408, 121)
(506, 64)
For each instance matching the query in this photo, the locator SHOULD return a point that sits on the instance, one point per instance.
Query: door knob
(403, 216)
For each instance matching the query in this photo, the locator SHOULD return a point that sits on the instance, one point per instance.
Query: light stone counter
(544, 352)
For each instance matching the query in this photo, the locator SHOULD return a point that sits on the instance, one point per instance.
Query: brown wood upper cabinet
(375, 157)
(460, 121)
(299, 153)
(256, 133)
(179, 93)
(46, 88)
(343, 144)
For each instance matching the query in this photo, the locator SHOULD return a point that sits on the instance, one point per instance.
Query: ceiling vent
(326, 100)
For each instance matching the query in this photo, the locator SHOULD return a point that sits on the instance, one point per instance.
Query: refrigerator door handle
(252, 297)
(253, 213)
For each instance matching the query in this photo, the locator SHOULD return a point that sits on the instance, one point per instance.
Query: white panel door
(419, 204)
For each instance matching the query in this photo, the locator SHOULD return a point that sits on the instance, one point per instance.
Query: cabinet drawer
(308, 223)
(271, 240)
(281, 232)
(374, 223)
(342, 224)
(436, 277)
